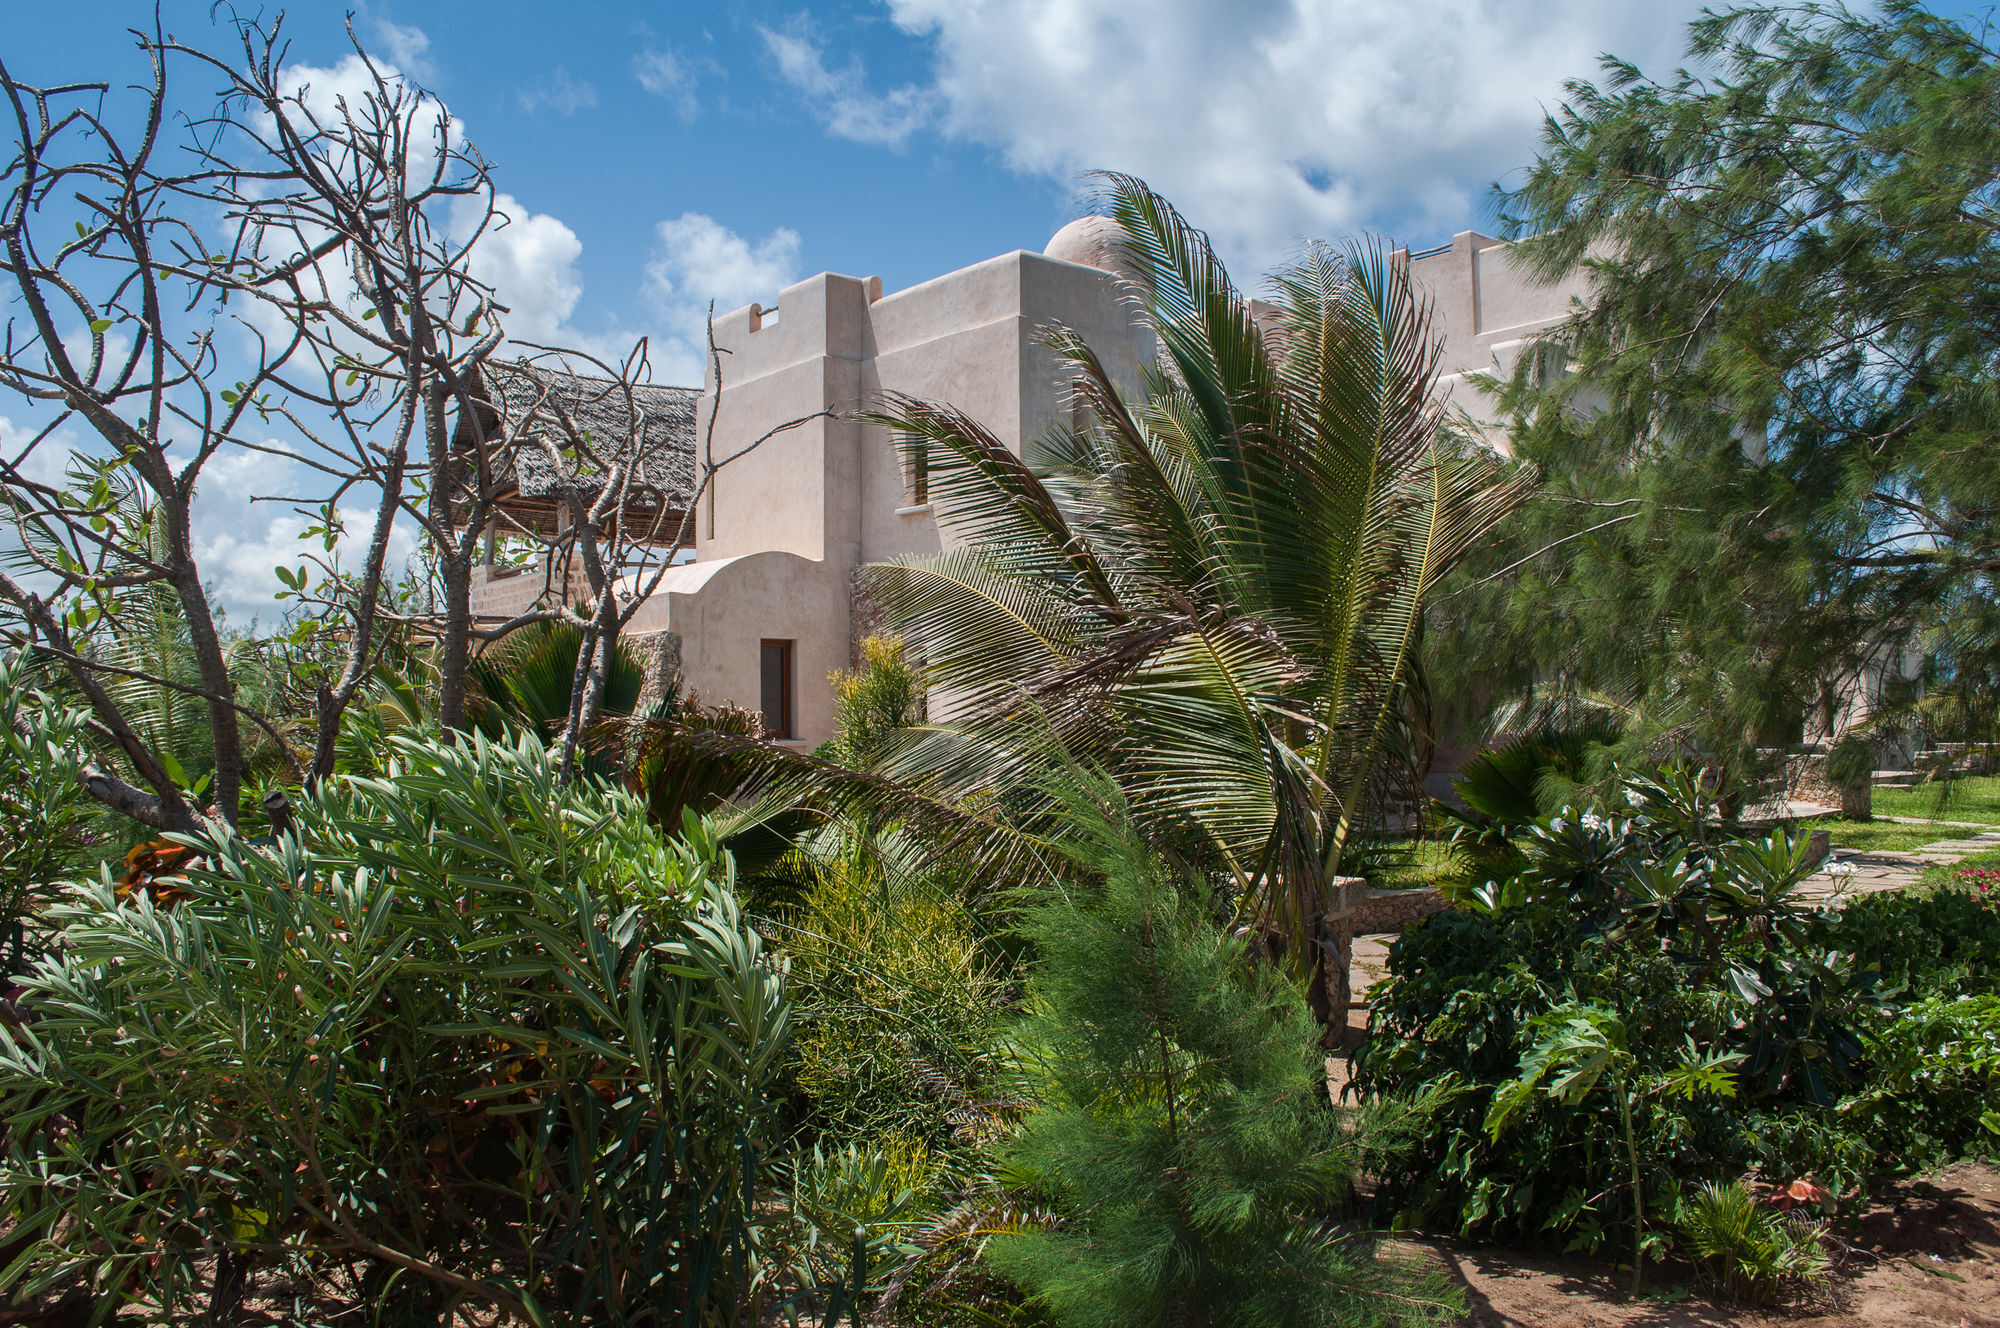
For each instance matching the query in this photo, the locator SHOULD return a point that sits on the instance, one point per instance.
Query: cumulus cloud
(1269, 120)
(559, 92)
(665, 73)
(406, 47)
(841, 97)
(529, 258)
(697, 259)
(237, 560)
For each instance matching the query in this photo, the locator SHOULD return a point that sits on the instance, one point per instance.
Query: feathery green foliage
(1775, 453)
(1184, 1134)
(874, 704)
(898, 995)
(526, 681)
(1748, 1251)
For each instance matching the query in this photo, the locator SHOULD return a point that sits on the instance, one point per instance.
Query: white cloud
(664, 73)
(237, 558)
(559, 92)
(405, 46)
(48, 463)
(238, 541)
(697, 260)
(529, 258)
(841, 97)
(1270, 120)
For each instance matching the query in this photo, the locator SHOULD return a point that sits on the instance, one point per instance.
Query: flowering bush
(1982, 879)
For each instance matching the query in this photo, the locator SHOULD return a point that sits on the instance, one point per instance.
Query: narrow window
(920, 476)
(775, 668)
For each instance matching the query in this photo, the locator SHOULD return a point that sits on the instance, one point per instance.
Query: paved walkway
(1956, 825)
(1880, 869)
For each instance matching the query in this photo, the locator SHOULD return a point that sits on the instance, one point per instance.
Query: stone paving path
(1881, 869)
(1956, 825)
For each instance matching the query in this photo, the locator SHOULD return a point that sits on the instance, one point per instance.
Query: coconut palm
(1212, 589)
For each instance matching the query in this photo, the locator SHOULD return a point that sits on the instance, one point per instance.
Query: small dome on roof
(1091, 242)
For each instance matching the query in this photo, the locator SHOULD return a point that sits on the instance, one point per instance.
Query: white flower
(1593, 822)
(1556, 826)
(1635, 797)
(1840, 870)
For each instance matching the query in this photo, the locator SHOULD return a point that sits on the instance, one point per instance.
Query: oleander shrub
(485, 1037)
(46, 819)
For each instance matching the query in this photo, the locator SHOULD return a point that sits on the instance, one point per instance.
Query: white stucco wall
(723, 611)
(787, 523)
(1488, 311)
(785, 526)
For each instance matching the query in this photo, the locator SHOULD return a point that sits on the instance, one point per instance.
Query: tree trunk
(455, 646)
(331, 702)
(1332, 987)
(1857, 802)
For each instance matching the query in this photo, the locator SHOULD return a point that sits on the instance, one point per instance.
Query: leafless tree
(341, 327)
(102, 342)
(364, 235)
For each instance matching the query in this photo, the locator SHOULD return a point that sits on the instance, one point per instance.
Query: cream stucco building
(767, 609)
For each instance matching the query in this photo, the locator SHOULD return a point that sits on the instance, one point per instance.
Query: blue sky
(905, 138)
(657, 156)
(909, 137)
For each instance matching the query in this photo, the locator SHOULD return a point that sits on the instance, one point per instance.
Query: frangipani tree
(1214, 590)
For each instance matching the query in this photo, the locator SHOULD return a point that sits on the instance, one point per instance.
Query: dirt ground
(1924, 1253)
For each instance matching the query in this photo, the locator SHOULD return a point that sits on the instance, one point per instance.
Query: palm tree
(1215, 590)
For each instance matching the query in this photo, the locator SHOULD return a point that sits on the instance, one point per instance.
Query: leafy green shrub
(1934, 1093)
(44, 814)
(1930, 943)
(1692, 942)
(483, 1032)
(873, 703)
(1183, 1134)
(1580, 1047)
(1459, 1010)
(1749, 1251)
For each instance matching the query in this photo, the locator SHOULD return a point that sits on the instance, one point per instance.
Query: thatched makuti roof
(577, 405)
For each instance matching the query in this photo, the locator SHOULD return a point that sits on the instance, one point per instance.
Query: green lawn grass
(1420, 862)
(1974, 798)
(1878, 836)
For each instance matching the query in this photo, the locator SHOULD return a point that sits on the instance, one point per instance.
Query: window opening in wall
(920, 476)
(775, 667)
